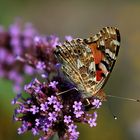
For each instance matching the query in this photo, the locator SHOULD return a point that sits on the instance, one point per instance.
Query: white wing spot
(96, 38)
(92, 66)
(111, 54)
(103, 67)
(115, 42)
(79, 64)
(102, 43)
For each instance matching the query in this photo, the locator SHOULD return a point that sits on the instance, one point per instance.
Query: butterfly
(88, 62)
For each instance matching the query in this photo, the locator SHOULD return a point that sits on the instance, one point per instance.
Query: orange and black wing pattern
(89, 62)
(105, 47)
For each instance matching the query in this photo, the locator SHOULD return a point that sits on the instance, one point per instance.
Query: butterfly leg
(66, 91)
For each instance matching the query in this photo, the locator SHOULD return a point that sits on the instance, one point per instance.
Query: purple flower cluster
(50, 107)
(41, 57)
(15, 41)
(24, 51)
(46, 112)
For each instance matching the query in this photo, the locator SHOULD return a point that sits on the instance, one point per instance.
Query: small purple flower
(35, 131)
(29, 101)
(23, 128)
(92, 122)
(52, 100)
(46, 123)
(20, 131)
(45, 128)
(26, 87)
(37, 122)
(52, 41)
(72, 127)
(15, 29)
(78, 114)
(67, 119)
(52, 116)
(97, 103)
(21, 109)
(58, 106)
(17, 111)
(37, 89)
(74, 135)
(77, 105)
(34, 109)
(40, 65)
(53, 84)
(44, 106)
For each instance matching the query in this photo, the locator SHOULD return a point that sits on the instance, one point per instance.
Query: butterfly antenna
(124, 98)
(110, 109)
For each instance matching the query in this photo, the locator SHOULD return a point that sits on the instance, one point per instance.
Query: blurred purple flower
(11, 45)
(29, 70)
(40, 65)
(68, 38)
(24, 51)
(35, 131)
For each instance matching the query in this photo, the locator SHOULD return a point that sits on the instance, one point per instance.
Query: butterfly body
(89, 62)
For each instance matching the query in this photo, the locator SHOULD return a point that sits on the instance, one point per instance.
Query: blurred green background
(82, 18)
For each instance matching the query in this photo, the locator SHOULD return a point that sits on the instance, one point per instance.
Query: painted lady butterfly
(89, 62)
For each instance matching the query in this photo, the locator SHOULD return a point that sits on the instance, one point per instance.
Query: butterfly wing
(105, 47)
(89, 62)
(78, 64)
